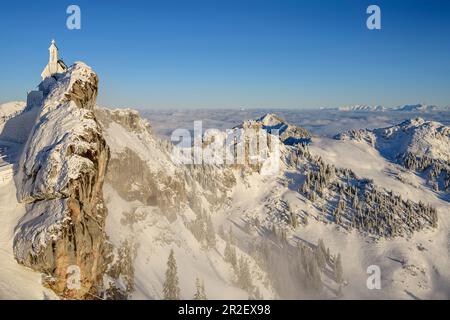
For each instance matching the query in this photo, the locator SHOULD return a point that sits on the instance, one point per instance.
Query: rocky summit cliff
(60, 179)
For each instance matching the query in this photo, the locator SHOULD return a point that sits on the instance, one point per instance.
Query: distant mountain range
(420, 107)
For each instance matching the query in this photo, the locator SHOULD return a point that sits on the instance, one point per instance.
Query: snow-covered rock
(60, 180)
(289, 134)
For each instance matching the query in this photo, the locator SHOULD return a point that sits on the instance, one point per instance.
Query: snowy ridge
(359, 107)
(415, 136)
(10, 109)
(419, 107)
(419, 145)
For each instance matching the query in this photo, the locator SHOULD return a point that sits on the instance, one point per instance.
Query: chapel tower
(55, 65)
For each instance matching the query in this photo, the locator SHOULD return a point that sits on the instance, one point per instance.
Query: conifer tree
(321, 254)
(221, 232)
(244, 276)
(203, 291)
(231, 236)
(199, 290)
(338, 272)
(230, 254)
(171, 290)
(227, 251)
(294, 221)
(257, 295)
(210, 233)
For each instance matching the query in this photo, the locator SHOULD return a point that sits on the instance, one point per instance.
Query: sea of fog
(319, 122)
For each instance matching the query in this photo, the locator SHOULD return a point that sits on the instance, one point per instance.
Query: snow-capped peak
(416, 107)
(359, 107)
(415, 136)
(289, 134)
(271, 120)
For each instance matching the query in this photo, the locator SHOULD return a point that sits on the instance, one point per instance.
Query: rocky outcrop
(141, 168)
(60, 180)
(289, 134)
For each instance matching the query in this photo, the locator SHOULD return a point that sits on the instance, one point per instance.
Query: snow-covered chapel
(55, 65)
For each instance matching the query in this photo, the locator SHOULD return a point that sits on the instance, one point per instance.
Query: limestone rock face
(60, 180)
(141, 168)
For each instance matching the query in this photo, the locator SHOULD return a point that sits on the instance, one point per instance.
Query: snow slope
(11, 109)
(411, 267)
(16, 282)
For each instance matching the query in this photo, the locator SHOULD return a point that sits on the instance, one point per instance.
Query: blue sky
(230, 54)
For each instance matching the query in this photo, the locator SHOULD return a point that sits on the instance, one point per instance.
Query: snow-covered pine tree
(293, 218)
(338, 271)
(202, 289)
(256, 295)
(227, 251)
(321, 254)
(230, 254)
(199, 290)
(171, 290)
(244, 276)
(315, 276)
(221, 232)
(231, 235)
(210, 233)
